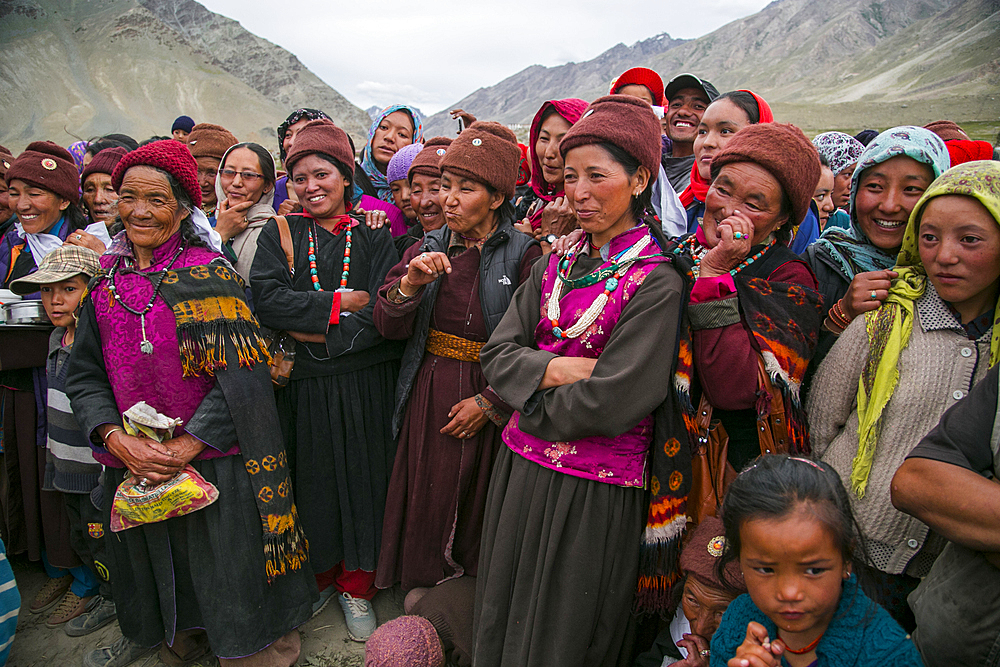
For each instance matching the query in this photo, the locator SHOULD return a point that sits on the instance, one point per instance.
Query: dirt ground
(324, 639)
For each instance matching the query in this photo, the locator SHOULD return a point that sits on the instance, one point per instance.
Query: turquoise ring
(738, 235)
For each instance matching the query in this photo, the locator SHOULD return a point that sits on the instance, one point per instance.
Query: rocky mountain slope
(820, 64)
(80, 69)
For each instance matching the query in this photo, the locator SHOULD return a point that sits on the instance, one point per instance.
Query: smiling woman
(245, 191)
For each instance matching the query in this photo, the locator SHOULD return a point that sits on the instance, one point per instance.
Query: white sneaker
(359, 615)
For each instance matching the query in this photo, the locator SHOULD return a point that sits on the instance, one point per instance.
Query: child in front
(789, 526)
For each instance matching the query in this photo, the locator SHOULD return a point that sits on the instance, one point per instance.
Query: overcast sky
(434, 53)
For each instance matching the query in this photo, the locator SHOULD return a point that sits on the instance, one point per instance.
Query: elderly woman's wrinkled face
(704, 606)
(746, 187)
(842, 187)
(148, 208)
(241, 177)
(887, 193)
(425, 201)
(208, 171)
(99, 197)
(959, 245)
(546, 148)
(37, 208)
(468, 206)
(721, 120)
(394, 132)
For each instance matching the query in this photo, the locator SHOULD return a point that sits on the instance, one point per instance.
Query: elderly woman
(893, 373)
(842, 151)
(704, 598)
(853, 266)
(752, 300)
(150, 330)
(445, 298)
(245, 191)
(99, 199)
(336, 410)
(566, 506)
(544, 209)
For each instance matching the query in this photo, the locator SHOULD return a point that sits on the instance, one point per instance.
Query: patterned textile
(293, 118)
(376, 177)
(78, 149)
(840, 150)
(890, 326)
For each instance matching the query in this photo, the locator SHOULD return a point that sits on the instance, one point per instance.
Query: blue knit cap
(400, 163)
(182, 123)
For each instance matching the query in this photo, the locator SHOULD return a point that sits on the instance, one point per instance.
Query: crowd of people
(670, 384)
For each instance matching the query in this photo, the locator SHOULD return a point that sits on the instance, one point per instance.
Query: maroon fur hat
(48, 166)
(947, 130)
(208, 140)
(321, 136)
(104, 162)
(171, 156)
(621, 120)
(428, 160)
(486, 152)
(703, 551)
(785, 152)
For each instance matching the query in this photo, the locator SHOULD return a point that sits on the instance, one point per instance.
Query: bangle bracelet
(399, 288)
(106, 435)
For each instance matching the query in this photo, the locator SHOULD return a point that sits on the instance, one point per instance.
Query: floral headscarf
(376, 177)
(840, 150)
(293, 118)
(78, 150)
(890, 326)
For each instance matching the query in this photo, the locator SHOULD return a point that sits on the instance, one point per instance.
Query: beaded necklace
(620, 263)
(312, 260)
(698, 251)
(802, 651)
(146, 347)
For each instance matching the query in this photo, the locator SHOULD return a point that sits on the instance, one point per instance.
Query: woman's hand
(730, 251)
(145, 458)
(423, 270)
(558, 217)
(698, 651)
(185, 447)
(86, 240)
(231, 220)
(466, 419)
(352, 302)
(524, 226)
(566, 370)
(466, 117)
(563, 244)
(858, 299)
(757, 650)
(374, 219)
(303, 337)
(287, 207)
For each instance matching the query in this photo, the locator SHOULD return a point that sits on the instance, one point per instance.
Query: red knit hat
(640, 76)
(703, 551)
(962, 151)
(321, 136)
(208, 140)
(171, 156)
(947, 130)
(48, 166)
(428, 160)
(784, 151)
(486, 152)
(104, 162)
(622, 120)
(406, 640)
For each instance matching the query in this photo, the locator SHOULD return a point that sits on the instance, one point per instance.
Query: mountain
(76, 69)
(849, 64)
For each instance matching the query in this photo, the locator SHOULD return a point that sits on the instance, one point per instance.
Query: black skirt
(204, 570)
(340, 452)
(558, 568)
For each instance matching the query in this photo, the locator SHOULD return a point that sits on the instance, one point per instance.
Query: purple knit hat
(407, 640)
(400, 163)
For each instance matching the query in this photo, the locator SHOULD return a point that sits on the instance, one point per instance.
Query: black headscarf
(293, 118)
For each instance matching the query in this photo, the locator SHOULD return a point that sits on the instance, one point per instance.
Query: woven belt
(452, 347)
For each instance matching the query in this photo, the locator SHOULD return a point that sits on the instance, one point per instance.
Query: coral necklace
(313, 274)
(698, 251)
(802, 651)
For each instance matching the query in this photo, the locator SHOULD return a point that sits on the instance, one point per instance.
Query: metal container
(25, 312)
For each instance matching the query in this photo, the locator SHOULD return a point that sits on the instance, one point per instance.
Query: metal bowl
(25, 312)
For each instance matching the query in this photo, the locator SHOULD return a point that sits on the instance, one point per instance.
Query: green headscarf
(890, 326)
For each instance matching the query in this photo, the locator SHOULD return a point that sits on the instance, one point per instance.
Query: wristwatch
(550, 239)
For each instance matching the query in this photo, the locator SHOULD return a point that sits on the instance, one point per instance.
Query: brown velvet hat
(321, 136)
(486, 152)
(621, 120)
(49, 166)
(428, 160)
(208, 140)
(784, 151)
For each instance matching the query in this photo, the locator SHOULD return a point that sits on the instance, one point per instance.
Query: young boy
(62, 279)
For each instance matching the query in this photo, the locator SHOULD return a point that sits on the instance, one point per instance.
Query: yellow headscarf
(890, 326)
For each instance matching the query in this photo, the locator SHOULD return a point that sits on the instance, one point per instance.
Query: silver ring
(79, 237)
(704, 652)
(465, 434)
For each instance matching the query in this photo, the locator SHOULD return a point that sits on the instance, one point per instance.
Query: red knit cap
(785, 153)
(171, 156)
(622, 120)
(486, 152)
(406, 640)
(962, 151)
(428, 160)
(703, 551)
(321, 136)
(48, 166)
(208, 140)
(947, 130)
(640, 76)
(104, 162)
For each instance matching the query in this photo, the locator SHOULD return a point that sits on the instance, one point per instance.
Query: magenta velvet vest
(619, 460)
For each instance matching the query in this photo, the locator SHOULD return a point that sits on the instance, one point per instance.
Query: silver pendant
(145, 346)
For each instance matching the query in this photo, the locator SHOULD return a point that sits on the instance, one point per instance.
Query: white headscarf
(44, 243)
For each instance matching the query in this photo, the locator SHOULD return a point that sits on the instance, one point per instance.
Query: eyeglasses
(247, 176)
